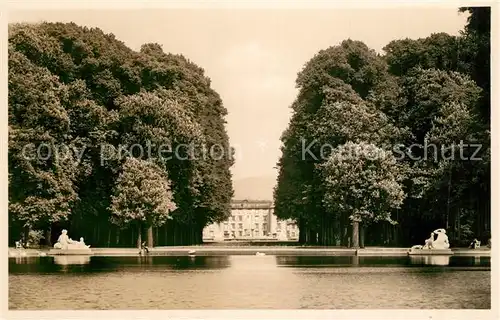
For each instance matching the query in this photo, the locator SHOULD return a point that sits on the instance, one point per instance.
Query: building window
(240, 233)
(257, 226)
(240, 225)
(233, 225)
(240, 218)
(264, 226)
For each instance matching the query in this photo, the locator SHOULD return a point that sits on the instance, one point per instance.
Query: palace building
(252, 220)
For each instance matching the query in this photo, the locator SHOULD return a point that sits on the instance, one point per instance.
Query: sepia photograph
(226, 158)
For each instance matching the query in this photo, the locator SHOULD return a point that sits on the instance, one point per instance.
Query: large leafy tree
(363, 182)
(39, 125)
(465, 184)
(332, 107)
(423, 91)
(142, 196)
(83, 89)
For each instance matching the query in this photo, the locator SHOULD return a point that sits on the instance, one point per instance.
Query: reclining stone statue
(441, 241)
(64, 242)
(438, 240)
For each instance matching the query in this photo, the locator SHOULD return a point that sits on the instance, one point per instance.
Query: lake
(248, 282)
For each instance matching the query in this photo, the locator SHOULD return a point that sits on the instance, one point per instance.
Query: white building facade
(252, 220)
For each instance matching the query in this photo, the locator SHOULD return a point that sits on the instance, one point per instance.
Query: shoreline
(251, 250)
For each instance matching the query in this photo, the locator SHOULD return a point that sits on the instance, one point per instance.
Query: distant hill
(254, 188)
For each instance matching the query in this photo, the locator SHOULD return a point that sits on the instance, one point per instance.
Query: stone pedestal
(79, 251)
(429, 252)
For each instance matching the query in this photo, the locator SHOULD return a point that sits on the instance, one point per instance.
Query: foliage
(363, 181)
(80, 89)
(142, 195)
(34, 237)
(420, 92)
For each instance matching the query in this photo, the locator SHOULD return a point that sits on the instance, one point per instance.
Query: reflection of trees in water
(56, 264)
(312, 261)
(98, 264)
(170, 262)
(160, 262)
(94, 264)
(201, 262)
(365, 261)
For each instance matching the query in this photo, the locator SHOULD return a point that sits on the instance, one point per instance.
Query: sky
(253, 56)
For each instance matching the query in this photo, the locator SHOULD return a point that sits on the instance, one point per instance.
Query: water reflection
(430, 260)
(20, 259)
(69, 260)
(384, 261)
(92, 264)
(314, 261)
(261, 282)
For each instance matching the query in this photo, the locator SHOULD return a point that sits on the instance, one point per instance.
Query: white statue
(64, 242)
(441, 241)
(438, 240)
(429, 242)
(82, 244)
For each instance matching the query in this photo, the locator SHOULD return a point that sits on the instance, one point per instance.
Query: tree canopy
(423, 102)
(83, 91)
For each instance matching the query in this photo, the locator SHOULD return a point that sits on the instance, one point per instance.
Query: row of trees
(383, 149)
(79, 100)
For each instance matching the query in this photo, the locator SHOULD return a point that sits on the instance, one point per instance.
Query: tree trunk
(26, 233)
(139, 237)
(150, 237)
(118, 237)
(362, 235)
(109, 237)
(302, 231)
(48, 237)
(312, 237)
(157, 237)
(448, 201)
(355, 234)
(97, 231)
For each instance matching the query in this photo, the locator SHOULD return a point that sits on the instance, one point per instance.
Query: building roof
(256, 204)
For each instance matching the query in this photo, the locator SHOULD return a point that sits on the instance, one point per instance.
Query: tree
(86, 90)
(423, 91)
(334, 105)
(440, 111)
(438, 51)
(142, 196)
(476, 53)
(364, 182)
(42, 173)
